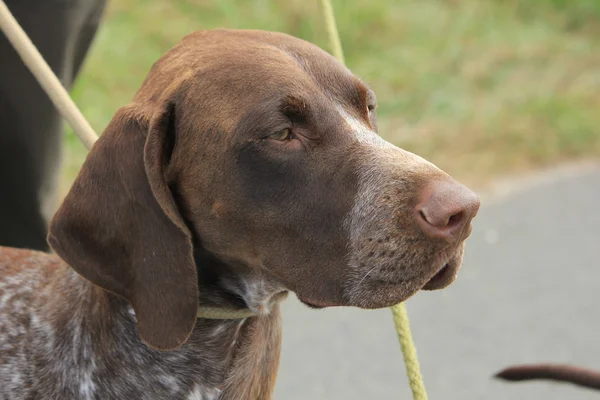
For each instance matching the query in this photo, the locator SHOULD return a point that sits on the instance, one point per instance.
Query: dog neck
(95, 347)
(235, 290)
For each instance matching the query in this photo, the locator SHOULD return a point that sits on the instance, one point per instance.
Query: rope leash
(409, 351)
(208, 312)
(67, 108)
(332, 31)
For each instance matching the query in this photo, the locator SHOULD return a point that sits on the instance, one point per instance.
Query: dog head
(261, 150)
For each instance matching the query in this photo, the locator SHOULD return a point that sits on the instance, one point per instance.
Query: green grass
(479, 87)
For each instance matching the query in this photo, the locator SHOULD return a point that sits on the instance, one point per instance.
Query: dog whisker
(367, 274)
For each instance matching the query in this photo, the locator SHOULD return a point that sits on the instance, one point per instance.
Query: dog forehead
(244, 42)
(246, 63)
(271, 55)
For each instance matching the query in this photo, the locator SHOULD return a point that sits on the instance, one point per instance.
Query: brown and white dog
(248, 165)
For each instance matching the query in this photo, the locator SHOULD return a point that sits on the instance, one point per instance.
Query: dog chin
(387, 295)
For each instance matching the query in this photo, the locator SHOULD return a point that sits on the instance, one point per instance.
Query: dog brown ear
(120, 228)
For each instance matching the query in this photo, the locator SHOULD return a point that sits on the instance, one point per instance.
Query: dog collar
(207, 312)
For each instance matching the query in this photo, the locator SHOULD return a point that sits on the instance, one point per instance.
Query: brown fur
(187, 198)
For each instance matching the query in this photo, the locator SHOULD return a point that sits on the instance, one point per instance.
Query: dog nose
(446, 210)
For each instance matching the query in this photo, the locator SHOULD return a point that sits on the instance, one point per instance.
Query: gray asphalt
(529, 291)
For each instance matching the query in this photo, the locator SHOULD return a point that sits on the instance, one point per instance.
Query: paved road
(529, 291)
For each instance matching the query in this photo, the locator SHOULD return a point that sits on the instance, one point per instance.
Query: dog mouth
(445, 275)
(317, 305)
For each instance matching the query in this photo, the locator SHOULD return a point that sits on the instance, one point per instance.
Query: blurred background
(485, 89)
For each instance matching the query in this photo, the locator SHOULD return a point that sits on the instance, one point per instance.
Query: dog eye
(371, 107)
(284, 134)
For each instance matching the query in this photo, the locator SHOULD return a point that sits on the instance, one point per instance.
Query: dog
(246, 167)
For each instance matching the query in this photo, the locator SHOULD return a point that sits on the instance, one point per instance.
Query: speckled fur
(63, 338)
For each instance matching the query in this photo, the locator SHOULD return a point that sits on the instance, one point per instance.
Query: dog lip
(316, 304)
(442, 278)
(310, 305)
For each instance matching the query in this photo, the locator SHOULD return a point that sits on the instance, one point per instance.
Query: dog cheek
(388, 258)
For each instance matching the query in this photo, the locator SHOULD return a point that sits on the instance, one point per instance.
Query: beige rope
(332, 31)
(207, 312)
(409, 351)
(44, 75)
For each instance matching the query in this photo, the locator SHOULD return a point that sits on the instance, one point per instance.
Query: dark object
(30, 127)
(554, 372)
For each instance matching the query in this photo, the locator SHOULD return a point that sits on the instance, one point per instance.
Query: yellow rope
(208, 312)
(409, 351)
(332, 30)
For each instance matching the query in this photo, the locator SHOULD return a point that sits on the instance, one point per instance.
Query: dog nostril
(451, 221)
(455, 219)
